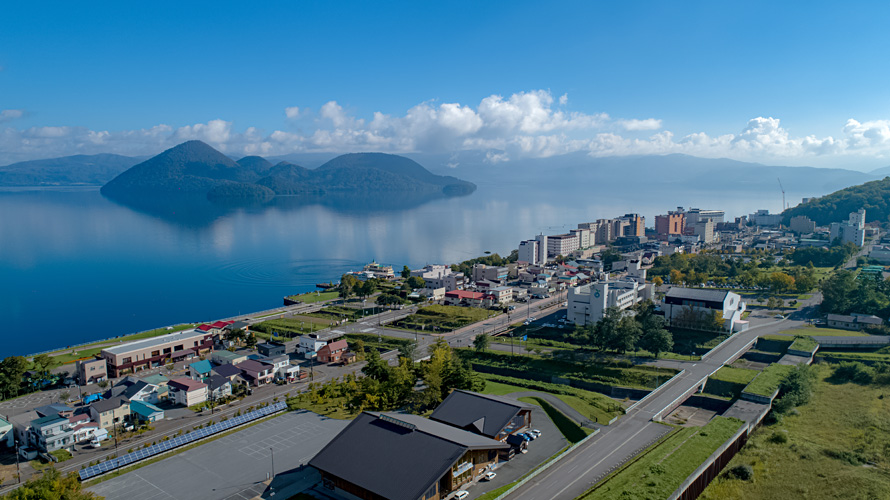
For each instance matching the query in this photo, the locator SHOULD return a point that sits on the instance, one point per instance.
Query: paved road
(615, 444)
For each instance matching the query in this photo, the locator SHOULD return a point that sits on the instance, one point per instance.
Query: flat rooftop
(154, 341)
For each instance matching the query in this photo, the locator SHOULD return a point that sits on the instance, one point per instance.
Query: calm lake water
(75, 266)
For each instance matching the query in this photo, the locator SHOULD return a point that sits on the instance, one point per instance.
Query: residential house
(220, 387)
(54, 409)
(110, 412)
(53, 432)
(188, 392)
(200, 369)
(221, 357)
(403, 457)
(91, 371)
(463, 297)
(278, 362)
(160, 382)
(146, 412)
(7, 435)
(309, 345)
(332, 352)
(270, 349)
(21, 427)
(227, 371)
(256, 372)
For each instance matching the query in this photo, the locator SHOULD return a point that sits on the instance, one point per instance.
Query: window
(196, 343)
(167, 350)
(126, 360)
(177, 348)
(155, 353)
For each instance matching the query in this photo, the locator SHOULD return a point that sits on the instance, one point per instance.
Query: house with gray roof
(853, 321)
(403, 457)
(491, 416)
(694, 308)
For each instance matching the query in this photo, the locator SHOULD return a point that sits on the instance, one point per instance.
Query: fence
(693, 486)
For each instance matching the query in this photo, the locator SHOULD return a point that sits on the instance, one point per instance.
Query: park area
(837, 446)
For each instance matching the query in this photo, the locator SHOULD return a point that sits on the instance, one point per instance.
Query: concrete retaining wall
(696, 483)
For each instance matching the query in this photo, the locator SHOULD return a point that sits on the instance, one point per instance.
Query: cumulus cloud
(634, 124)
(530, 124)
(292, 112)
(10, 114)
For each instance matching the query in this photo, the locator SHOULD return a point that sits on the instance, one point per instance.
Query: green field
(570, 366)
(767, 381)
(289, 327)
(312, 297)
(339, 313)
(436, 318)
(877, 355)
(660, 470)
(595, 406)
(728, 382)
(827, 445)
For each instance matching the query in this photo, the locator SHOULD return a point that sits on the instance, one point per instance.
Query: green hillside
(874, 196)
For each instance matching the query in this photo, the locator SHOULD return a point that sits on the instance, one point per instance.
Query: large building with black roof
(403, 457)
(491, 416)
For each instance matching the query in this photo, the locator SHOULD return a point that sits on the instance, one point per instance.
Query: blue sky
(776, 82)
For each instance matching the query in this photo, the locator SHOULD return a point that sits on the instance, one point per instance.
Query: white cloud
(530, 124)
(10, 114)
(634, 124)
(292, 112)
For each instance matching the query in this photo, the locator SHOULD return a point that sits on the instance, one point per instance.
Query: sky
(790, 83)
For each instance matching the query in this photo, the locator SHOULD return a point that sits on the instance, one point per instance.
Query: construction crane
(783, 193)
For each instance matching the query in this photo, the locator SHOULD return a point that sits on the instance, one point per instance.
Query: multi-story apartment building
(562, 244)
(157, 351)
(697, 214)
(529, 252)
(852, 231)
(433, 271)
(636, 225)
(704, 229)
(802, 224)
(674, 223)
(495, 274)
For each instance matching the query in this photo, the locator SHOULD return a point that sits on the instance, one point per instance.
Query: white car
(488, 476)
(460, 495)
(536, 432)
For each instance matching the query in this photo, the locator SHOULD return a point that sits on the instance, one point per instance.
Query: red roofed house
(463, 297)
(188, 392)
(331, 353)
(204, 328)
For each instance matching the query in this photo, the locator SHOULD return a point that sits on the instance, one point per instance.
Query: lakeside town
(582, 343)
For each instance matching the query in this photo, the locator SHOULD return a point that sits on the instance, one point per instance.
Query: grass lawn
(659, 470)
(593, 405)
(338, 313)
(546, 337)
(443, 318)
(840, 426)
(294, 326)
(729, 382)
(373, 341)
(695, 341)
(330, 407)
(312, 297)
(805, 344)
(767, 381)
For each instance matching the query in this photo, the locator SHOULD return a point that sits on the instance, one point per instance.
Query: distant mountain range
(197, 168)
(88, 170)
(194, 167)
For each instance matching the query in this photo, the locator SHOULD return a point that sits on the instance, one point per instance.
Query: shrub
(850, 457)
(854, 371)
(778, 438)
(742, 472)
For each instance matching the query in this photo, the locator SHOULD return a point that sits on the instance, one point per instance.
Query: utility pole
(272, 453)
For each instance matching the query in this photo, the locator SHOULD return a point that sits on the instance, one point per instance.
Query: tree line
(845, 293)
(620, 332)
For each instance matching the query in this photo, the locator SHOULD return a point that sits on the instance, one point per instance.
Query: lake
(75, 266)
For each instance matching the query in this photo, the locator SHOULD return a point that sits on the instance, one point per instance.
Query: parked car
(489, 476)
(460, 495)
(536, 432)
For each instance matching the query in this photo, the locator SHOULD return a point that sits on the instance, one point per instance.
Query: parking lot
(539, 450)
(230, 467)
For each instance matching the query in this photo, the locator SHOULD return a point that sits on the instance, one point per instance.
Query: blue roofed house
(146, 412)
(200, 370)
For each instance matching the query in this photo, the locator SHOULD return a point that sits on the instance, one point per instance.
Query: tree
(626, 335)
(406, 272)
(781, 282)
(348, 284)
(415, 282)
(797, 388)
(376, 367)
(388, 299)
(12, 368)
(408, 350)
(250, 342)
(367, 288)
(657, 281)
(358, 347)
(52, 485)
(657, 341)
(839, 292)
(481, 342)
(676, 277)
